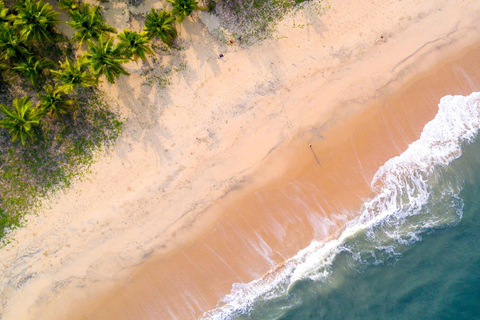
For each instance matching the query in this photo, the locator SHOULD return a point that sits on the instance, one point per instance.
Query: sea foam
(408, 190)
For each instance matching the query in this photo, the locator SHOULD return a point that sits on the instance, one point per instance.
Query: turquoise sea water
(414, 251)
(435, 277)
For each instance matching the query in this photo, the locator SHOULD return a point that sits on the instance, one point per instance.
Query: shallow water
(259, 230)
(436, 277)
(412, 253)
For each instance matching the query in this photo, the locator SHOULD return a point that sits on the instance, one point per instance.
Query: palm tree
(73, 75)
(3, 66)
(69, 6)
(20, 118)
(134, 44)
(11, 44)
(53, 102)
(106, 58)
(183, 8)
(4, 17)
(88, 23)
(33, 68)
(36, 20)
(160, 24)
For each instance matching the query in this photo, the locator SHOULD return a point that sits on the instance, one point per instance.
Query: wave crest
(412, 196)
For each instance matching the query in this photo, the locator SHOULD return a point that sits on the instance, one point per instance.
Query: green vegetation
(106, 58)
(69, 6)
(74, 75)
(134, 45)
(36, 21)
(3, 15)
(12, 45)
(183, 8)
(39, 154)
(88, 24)
(54, 101)
(58, 152)
(20, 119)
(54, 129)
(256, 20)
(161, 24)
(52, 118)
(33, 68)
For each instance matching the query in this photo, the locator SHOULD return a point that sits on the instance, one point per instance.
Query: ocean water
(412, 253)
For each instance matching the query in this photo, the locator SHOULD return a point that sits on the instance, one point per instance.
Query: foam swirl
(408, 188)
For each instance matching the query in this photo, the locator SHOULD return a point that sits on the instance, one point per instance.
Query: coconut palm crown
(20, 118)
(36, 20)
(134, 44)
(12, 46)
(88, 24)
(54, 101)
(74, 75)
(105, 58)
(69, 6)
(161, 24)
(33, 68)
(183, 8)
(3, 66)
(4, 17)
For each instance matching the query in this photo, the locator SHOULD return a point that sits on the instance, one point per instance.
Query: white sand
(187, 145)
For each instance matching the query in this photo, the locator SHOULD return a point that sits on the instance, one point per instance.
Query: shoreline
(155, 280)
(94, 269)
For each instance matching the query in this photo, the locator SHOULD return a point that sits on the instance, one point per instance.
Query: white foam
(397, 215)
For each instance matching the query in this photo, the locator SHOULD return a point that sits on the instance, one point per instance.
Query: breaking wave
(414, 193)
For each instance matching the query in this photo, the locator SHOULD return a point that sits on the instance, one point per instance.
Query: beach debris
(220, 56)
(239, 38)
(231, 42)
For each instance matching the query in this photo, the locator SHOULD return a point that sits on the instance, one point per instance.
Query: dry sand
(214, 171)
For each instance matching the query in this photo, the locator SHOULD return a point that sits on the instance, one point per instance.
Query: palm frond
(33, 68)
(105, 58)
(69, 6)
(54, 101)
(161, 24)
(4, 15)
(183, 8)
(36, 20)
(88, 24)
(20, 118)
(12, 46)
(134, 45)
(73, 75)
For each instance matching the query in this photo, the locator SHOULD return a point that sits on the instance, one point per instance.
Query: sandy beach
(213, 181)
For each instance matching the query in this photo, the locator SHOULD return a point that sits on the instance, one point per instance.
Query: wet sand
(319, 193)
(213, 183)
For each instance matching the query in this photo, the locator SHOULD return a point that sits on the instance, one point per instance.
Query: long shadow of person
(314, 155)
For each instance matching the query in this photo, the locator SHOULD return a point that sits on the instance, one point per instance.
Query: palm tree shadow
(146, 106)
(60, 151)
(196, 32)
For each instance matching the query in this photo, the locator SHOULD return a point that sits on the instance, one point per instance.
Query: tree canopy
(183, 8)
(36, 20)
(72, 75)
(134, 45)
(54, 101)
(106, 58)
(20, 118)
(161, 24)
(88, 23)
